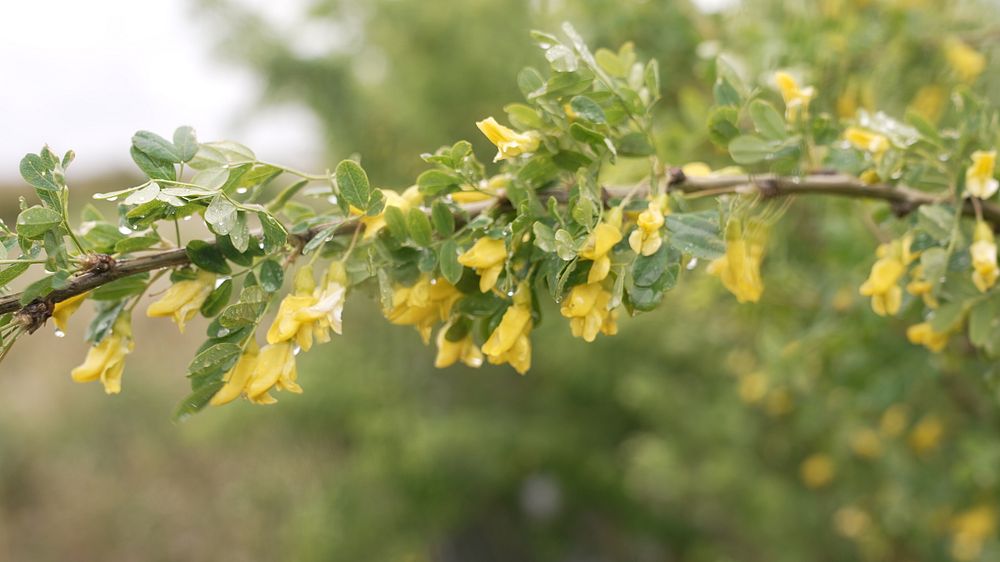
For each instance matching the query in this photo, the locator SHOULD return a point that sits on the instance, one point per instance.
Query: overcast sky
(87, 74)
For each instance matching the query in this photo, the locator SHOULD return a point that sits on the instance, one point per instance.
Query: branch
(903, 200)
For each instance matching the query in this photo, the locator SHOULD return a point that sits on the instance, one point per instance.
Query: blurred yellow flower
(817, 471)
(509, 142)
(984, 257)
(451, 352)
(923, 334)
(970, 529)
(587, 308)
(487, 256)
(753, 387)
(866, 443)
(894, 420)
(979, 180)
(926, 435)
(425, 303)
(863, 139)
(851, 522)
(599, 244)
(919, 286)
(183, 299)
(275, 370)
(796, 98)
(238, 376)
(967, 63)
(929, 102)
(106, 360)
(646, 239)
(64, 309)
(510, 342)
(882, 284)
(739, 267)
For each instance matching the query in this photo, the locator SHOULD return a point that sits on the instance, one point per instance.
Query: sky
(85, 75)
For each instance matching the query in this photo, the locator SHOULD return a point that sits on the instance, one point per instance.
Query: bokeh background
(800, 428)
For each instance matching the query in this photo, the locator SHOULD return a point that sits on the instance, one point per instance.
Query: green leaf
(419, 227)
(121, 288)
(433, 182)
(217, 299)
(545, 238)
(936, 220)
(219, 357)
(38, 173)
(211, 178)
(274, 233)
(948, 316)
(208, 257)
(156, 146)
(12, 272)
(221, 215)
(588, 109)
(253, 301)
(444, 221)
(35, 221)
(767, 120)
(353, 184)
(186, 143)
(722, 126)
(135, 243)
(197, 400)
(448, 262)
(635, 144)
(523, 116)
(395, 221)
(725, 93)
(530, 81)
(272, 276)
(983, 322)
(154, 168)
(750, 149)
(586, 135)
(696, 234)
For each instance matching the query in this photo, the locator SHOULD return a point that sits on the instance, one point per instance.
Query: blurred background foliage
(800, 428)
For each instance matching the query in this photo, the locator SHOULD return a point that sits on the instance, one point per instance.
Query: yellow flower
(275, 370)
(183, 299)
(487, 257)
(739, 268)
(646, 239)
(64, 309)
(451, 352)
(701, 170)
(106, 360)
(894, 420)
(984, 257)
(882, 284)
(509, 142)
(753, 387)
(923, 334)
(866, 140)
(796, 98)
(236, 379)
(510, 342)
(866, 443)
(410, 198)
(851, 522)
(967, 63)
(817, 471)
(289, 323)
(929, 102)
(587, 308)
(599, 244)
(979, 180)
(422, 305)
(926, 435)
(970, 529)
(919, 286)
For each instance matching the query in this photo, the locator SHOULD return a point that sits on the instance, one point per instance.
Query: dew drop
(113, 198)
(220, 281)
(187, 218)
(241, 190)
(125, 230)
(222, 332)
(59, 333)
(296, 349)
(434, 281)
(332, 199)
(692, 264)
(510, 293)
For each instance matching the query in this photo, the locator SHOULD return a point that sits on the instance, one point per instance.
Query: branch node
(98, 263)
(768, 188)
(674, 177)
(34, 314)
(901, 208)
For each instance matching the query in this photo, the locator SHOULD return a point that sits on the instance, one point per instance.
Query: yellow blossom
(929, 102)
(290, 322)
(106, 360)
(510, 342)
(64, 309)
(970, 529)
(882, 284)
(739, 268)
(275, 370)
(920, 286)
(599, 244)
(509, 142)
(753, 387)
(796, 98)
(405, 201)
(487, 257)
(817, 471)
(425, 303)
(923, 334)
(183, 299)
(979, 180)
(866, 443)
(866, 140)
(451, 352)
(646, 239)
(894, 420)
(984, 257)
(238, 376)
(926, 435)
(967, 63)
(587, 308)
(851, 522)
